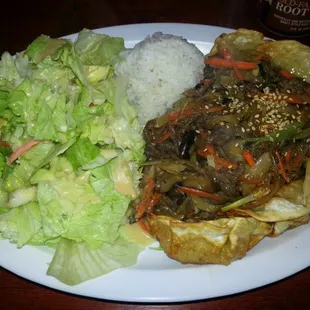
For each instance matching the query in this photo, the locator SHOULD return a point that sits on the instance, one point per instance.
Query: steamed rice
(159, 69)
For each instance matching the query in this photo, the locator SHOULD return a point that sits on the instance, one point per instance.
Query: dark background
(23, 21)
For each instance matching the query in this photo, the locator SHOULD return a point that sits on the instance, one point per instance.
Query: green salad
(70, 150)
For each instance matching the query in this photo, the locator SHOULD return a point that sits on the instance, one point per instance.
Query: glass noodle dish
(228, 164)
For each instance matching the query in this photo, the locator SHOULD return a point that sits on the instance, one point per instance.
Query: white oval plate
(156, 278)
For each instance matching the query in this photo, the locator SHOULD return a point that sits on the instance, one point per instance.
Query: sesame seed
(256, 116)
(277, 135)
(242, 129)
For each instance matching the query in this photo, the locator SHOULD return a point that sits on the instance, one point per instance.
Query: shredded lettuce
(72, 190)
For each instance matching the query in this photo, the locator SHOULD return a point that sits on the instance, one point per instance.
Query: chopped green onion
(262, 191)
(279, 135)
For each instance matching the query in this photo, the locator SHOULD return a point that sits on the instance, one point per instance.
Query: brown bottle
(285, 17)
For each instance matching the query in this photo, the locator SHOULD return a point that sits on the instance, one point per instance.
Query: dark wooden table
(22, 21)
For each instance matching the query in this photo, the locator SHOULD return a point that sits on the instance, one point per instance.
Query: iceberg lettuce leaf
(98, 49)
(82, 152)
(76, 262)
(21, 224)
(42, 47)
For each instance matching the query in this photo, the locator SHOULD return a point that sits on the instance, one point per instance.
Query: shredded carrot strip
(23, 149)
(153, 201)
(163, 138)
(225, 63)
(148, 190)
(288, 156)
(197, 192)
(228, 55)
(213, 110)
(281, 167)
(258, 57)
(249, 158)
(295, 99)
(297, 161)
(287, 75)
(141, 208)
(5, 144)
(208, 150)
(144, 227)
(178, 114)
(219, 162)
(243, 179)
(224, 163)
(149, 199)
(146, 195)
(204, 153)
